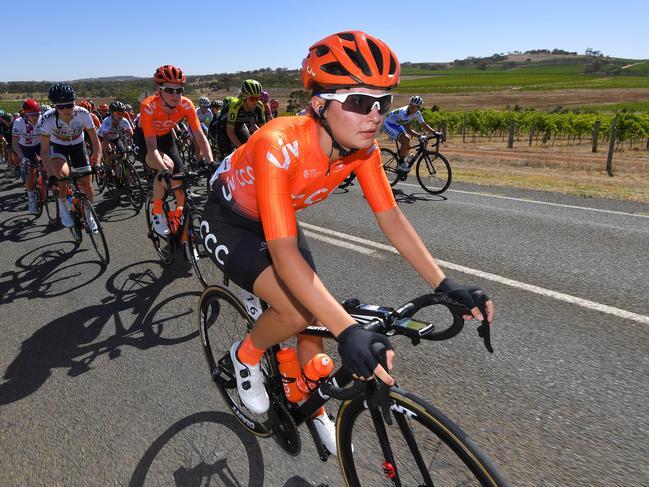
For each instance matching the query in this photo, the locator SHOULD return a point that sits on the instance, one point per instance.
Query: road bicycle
(45, 196)
(385, 435)
(184, 229)
(432, 168)
(79, 206)
(121, 177)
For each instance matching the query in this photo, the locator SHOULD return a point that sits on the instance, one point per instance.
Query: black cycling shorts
(237, 245)
(75, 154)
(117, 142)
(30, 152)
(166, 145)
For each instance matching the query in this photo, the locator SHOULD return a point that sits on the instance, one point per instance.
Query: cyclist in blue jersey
(397, 127)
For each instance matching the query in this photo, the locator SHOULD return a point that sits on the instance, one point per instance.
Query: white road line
(613, 212)
(584, 303)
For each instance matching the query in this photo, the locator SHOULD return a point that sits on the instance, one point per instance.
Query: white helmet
(416, 100)
(204, 101)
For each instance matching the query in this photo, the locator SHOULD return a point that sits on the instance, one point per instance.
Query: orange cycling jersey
(155, 121)
(281, 169)
(95, 120)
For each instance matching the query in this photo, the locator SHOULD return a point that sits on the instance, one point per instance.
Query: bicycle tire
(77, 228)
(97, 238)
(100, 178)
(222, 320)
(133, 185)
(390, 161)
(40, 191)
(450, 457)
(434, 172)
(205, 269)
(165, 247)
(51, 205)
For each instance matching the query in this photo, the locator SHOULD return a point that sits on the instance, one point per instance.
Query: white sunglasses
(362, 103)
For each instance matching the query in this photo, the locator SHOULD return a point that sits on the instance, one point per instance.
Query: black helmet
(117, 106)
(61, 93)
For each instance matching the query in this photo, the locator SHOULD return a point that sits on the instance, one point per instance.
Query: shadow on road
(42, 273)
(208, 448)
(76, 340)
(410, 198)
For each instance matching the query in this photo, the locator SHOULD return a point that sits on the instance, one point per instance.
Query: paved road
(104, 384)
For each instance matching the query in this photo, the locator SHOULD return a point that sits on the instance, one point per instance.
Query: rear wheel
(223, 320)
(100, 178)
(433, 172)
(421, 447)
(164, 246)
(390, 161)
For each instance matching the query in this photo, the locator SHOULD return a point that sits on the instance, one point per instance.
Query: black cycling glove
(354, 347)
(469, 296)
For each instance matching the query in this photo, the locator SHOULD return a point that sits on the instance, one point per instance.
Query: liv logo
(291, 147)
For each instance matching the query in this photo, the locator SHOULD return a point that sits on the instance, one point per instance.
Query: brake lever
(484, 330)
(381, 396)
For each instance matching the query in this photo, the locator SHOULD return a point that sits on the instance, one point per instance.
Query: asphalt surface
(104, 383)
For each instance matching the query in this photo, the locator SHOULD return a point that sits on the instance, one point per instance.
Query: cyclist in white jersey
(62, 140)
(205, 117)
(26, 144)
(397, 127)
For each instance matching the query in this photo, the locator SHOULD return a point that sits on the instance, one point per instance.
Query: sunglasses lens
(364, 104)
(174, 91)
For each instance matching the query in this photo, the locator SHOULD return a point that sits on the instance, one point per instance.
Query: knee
(295, 320)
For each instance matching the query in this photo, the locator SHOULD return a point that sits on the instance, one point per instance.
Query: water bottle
(289, 367)
(171, 220)
(319, 367)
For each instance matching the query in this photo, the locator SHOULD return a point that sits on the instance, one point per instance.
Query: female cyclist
(249, 223)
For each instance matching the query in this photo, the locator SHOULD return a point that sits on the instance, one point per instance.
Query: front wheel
(390, 161)
(97, 237)
(422, 446)
(51, 204)
(433, 172)
(164, 246)
(223, 320)
(205, 269)
(133, 185)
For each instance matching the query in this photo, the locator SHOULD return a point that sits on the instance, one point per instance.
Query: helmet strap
(343, 152)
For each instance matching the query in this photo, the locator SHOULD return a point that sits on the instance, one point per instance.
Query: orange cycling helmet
(169, 74)
(350, 59)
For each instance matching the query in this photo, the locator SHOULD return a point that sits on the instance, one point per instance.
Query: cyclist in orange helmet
(250, 228)
(153, 140)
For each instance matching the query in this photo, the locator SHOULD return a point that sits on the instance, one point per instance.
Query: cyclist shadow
(115, 209)
(75, 340)
(409, 198)
(23, 228)
(43, 275)
(233, 457)
(13, 202)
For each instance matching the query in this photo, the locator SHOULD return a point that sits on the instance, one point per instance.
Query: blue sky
(107, 38)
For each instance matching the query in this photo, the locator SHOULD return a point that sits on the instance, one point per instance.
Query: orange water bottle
(289, 367)
(171, 220)
(319, 367)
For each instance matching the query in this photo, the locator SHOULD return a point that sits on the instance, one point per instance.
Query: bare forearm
(405, 239)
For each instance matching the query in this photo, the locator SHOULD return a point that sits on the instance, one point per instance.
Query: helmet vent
(376, 52)
(335, 69)
(321, 50)
(359, 61)
(393, 66)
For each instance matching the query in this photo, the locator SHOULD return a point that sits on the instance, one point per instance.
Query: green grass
(488, 81)
(633, 107)
(638, 70)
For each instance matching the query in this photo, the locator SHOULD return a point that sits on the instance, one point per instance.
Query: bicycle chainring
(284, 429)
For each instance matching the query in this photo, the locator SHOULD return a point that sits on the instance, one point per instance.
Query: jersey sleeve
(18, 127)
(44, 127)
(86, 120)
(374, 182)
(420, 118)
(261, 111)
(271, 168)
(146, 119)
(190, 113)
